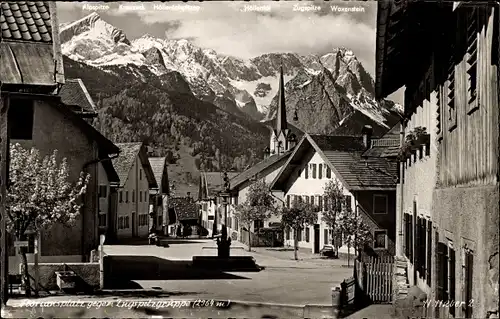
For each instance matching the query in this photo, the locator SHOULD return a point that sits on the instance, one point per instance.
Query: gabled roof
(185, 208)
(75, 95)
(387, 146)
(123, 163)
(343, 154)
(30, 46)
(257, 169)
(160, 172)
(211, 183)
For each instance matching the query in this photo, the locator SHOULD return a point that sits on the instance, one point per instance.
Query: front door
(134, 232)
(316, 238)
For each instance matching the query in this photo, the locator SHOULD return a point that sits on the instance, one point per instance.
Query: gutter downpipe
(402, 134)
(98, 160)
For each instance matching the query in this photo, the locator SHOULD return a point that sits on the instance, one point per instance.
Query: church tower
(282, 139)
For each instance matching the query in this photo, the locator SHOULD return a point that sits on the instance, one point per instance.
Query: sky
(246, 29)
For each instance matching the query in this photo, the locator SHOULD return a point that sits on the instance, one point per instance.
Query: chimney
(367, 132)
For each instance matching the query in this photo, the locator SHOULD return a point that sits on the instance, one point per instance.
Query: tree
(335, 204)
(259, 205)
(355, 232)
(40, 195)
(300, 215)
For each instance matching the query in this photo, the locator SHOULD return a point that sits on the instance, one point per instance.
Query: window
(133, 196)
(140, 197)
(328, 172)
(312, 200)
(320, 203)
(299, 234)
(410, 234)
(451, 276)
(287, 232)
(306, 199)
(439, 124)
(103, 191)
(325, 239)
(313, 170)
(258, 224)
(21, 119)
(288, 201)
(140, 174)
(121, 196)
(127, 225)
(348, 201)
(446, 273)
(380, 237)
(306, 172)
(320, 171)
(307, 234)
(452, 112)
(380, 204)
(126, 197)
(120, 222)
(102, 219)
(160, 220)
(467, 270)
(211, 217)
(472, 45)
(236, 225)
(326, 207)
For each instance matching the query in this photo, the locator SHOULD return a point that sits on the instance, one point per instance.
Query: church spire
(281, 112)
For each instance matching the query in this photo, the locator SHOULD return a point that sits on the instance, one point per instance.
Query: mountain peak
(94, 24)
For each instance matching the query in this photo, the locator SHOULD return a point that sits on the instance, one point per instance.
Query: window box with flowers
(415, 140)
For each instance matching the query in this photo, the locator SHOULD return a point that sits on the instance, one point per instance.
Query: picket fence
(374, 278)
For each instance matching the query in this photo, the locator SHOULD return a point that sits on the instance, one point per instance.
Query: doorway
(316, 238)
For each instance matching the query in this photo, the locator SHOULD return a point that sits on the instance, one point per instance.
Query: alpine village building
(136, 181)
(448, 194)
(158, 213)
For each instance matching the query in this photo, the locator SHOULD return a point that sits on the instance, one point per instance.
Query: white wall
(313, 187)
(418, 178)
(136, 183)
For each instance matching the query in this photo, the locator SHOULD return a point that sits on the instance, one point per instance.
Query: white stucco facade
(133, 203)
(310, 186)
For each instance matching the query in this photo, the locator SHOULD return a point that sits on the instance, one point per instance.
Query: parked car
(327, 251)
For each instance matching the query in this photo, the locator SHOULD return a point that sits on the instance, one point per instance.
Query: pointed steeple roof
(281, 112)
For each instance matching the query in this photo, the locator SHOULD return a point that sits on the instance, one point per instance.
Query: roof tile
(17, 18)
(74, 94)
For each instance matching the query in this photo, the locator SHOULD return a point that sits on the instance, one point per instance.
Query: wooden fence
(373, 276)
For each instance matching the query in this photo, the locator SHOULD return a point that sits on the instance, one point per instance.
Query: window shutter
(307, 199)
(313, 170)
(307, 171)
(328, 172)
(451, 295)
(472, 28)
(423, 254)
(288, 201)
(429, 253)
(405, 235)
(410, 232)
(320, 171)
(325, 232)
(325, 203)
(312, 200)
(320, 203)
(442, 275)
(417, 245)
(469, 265)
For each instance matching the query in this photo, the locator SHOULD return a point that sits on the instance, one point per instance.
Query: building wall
(461, 194)
(466, 199)
(134, 207)
(418, 178)
(51, 130)
(302, 186)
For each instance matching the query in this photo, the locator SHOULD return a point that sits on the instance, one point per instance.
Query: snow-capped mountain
(335, 83)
